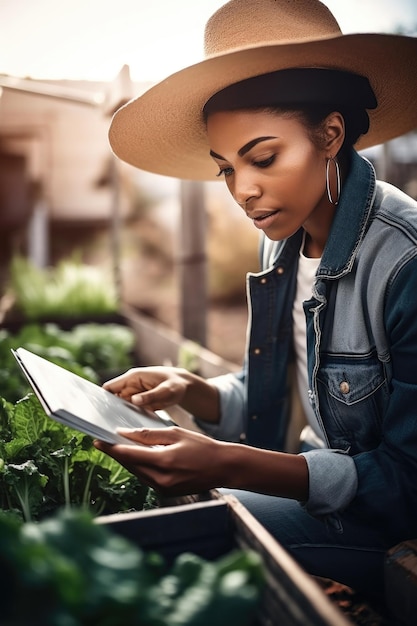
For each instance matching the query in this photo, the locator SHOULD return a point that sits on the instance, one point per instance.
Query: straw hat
(163, 131)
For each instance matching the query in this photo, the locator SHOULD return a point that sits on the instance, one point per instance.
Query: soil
(357, 609)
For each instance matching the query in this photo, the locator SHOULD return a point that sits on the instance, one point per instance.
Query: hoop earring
(338, 180)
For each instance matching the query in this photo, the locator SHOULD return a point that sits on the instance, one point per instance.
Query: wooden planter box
(212, 528)
(14, 322)
(155, 342)
(401, 582)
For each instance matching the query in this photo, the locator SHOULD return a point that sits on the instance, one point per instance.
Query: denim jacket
(361, 355)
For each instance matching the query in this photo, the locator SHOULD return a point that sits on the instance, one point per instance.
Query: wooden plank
(192, 262)
(203, 528)
(291, 594)
(157, 344)
(401, 582)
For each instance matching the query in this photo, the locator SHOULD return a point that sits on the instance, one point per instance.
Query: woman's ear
(334, 132)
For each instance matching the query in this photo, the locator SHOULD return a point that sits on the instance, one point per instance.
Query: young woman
(278, 109)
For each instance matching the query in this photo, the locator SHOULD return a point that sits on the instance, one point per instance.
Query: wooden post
(192, 262)
(118, 93)
(116, 229)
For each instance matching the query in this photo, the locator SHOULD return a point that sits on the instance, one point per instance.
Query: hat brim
(162, 131)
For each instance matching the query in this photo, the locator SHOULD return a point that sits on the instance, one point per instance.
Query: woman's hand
(152, 387)
(161, 387)
(184, 462)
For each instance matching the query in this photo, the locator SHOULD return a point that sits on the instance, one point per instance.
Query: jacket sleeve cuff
(232, 403)
(333, 481)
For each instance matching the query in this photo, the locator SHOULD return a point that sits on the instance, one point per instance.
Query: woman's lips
(264, 219)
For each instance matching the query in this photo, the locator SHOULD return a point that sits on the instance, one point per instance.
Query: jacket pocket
(353, 394)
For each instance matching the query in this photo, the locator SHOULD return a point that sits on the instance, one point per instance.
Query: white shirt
(307, 268)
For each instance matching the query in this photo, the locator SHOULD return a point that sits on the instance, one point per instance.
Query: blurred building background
(63, 192)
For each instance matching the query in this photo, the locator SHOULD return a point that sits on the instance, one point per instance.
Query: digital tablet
(81, 404)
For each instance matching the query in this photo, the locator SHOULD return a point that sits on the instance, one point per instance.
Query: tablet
(81, 404)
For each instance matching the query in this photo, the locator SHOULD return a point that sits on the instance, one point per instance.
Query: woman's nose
(243, 200)
(244, 187)
(245, 194)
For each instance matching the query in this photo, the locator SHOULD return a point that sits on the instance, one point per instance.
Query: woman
(277, 110)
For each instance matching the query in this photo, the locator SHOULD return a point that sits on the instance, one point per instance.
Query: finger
(133, 468)
(103, 446)
(132, 457)
(115, 385)
(160, 397)
(147, 438)
(152, 436)
(149, 399)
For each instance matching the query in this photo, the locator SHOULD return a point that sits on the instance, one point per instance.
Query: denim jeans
(352, 555)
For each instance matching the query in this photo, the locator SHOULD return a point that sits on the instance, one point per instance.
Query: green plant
(45, 465)
(69, 289)
(89, 350)
(68, 571)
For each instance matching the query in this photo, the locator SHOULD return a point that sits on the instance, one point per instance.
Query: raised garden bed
(215, 527)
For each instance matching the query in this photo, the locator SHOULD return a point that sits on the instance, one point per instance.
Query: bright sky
(93, 39)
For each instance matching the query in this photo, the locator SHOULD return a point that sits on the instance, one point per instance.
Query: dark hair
(310, 93)
(313, 117)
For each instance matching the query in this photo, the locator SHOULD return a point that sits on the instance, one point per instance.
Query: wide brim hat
(163, 130)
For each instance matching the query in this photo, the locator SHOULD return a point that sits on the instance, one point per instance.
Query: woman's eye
(265, 162)
(227, 171)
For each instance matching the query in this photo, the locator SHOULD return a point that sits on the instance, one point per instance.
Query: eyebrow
(244, 149)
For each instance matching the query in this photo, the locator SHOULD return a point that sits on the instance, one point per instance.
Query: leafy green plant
(68, 571)
(45, 465)
(102, 346)
(69, 289)
(89, 350)
(27, 484)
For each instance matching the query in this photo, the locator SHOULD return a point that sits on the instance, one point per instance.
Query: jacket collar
(351, 219)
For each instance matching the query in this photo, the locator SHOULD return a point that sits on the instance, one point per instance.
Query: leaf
(29, 419)
(27, 484)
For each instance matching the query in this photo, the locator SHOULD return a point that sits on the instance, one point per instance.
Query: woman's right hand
(151, 387)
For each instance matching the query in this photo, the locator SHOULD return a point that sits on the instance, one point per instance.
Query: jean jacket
(361, 355)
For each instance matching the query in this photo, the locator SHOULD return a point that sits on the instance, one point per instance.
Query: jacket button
(254, 417)
(344, 387)
(257, 351)
(280, 270)
(263, 281)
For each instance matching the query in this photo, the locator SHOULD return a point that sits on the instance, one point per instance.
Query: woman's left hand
(184, 462)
